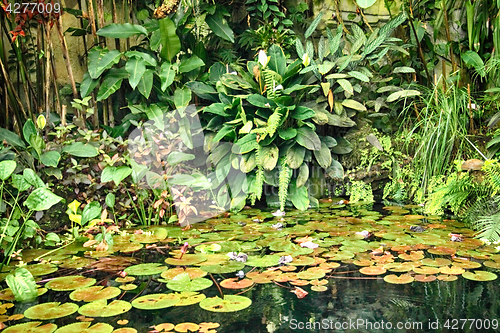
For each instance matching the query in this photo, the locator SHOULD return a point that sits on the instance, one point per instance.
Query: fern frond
(284, 180)
(274, 121)
(492, 173)
(489, 227)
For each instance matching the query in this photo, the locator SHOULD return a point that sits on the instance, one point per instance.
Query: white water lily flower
(278, 213)
(309, 245)
(306, 60)
(263, 58)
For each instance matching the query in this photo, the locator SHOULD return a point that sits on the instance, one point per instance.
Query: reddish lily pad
(451, 270)
(51, 310)
(186, 327)
(183, 282)
(145, 269)
(425, 278)
(447, 278)
(165, 327)
(101, 308)
(67, 283)
(187, 259)
(480, 276)
(155, 301)
(84, 327)
(426, 270)
(31, 327)
(234, 283)
(466, 264)
(94, 293)
(125, 330)
(402, 279)
(194, 272)
(230, 303)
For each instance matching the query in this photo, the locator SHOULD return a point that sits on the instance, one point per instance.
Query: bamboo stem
(419, 46)
(65, 53)
(448, 36)
(47, 70)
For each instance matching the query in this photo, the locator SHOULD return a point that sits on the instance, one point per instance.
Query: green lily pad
(31, 327)
(94, 293)
(102, 309)
(41, 269)
(372, 270)
(152, 235)
(189, 298)
(265, 261)
(51, 310)
(302, 261)
(145, 269)
(7, 295)
(230, 303)
(310, 274)
(187, 259)
(67, 283)
(480, 276)
(402, 279)
(227, 267)
(84, 327)
(76, 262)
(155, 301)
(183, 282)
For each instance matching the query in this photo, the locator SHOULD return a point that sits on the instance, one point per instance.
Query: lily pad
(155, 301)
(94, 293)
(186, 327)
(31, 327)
(438, 262)
(492, 264)
(189, 298)
(230, 303)
(67, 283)
(372, 270)
(480, 276)
(187, 259)
(310, 274)
(125, 330)
(145, 269)
(152, 235)
(402, 279)
(51, 310)
(41, 269)
(183, 282)
(194, 272)
(227, 267)
(7, 295)
(447, 278)
(234, 283)
(265, 261)
(425, 278)
(426, 270)
(466, 264)
(451, 270)
(101, 308)
(84, 327)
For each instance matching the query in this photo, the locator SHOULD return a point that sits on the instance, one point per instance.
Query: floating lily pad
(76, 262)
(7, 295)
(442, 250)
(436, 262)
(128, 286)
(264, 277)
(310, 274)
(94, 293)
(265, 261)
(67, 283)
(319, 288)
(492, 264)
(125, 279)
(84, 327)
(426, 270)
(155, 301)
(51, 310)
(187, 259)
(447, 278)
(194, 272)
(480, 276)
(186, 327)
(227, 267)
(402, 279)
(183, 282)
(41, 269)
(125, 330)
(467, 264)
(189, 298)
(31, 327)
(412, 256)
(165, 327)
(425, 278)
(145, 269)
(338, 256)
(234, 283)
(451, 270)
(152, 235)
(101, 308)
(302, 261)
(372, 270)
(230, 303)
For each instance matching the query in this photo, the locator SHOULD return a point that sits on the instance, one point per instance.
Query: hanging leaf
(219, 26)
(100, 60)
(295, 156)
(167, 75)
(170, 42)
(23, 285)
(112, 82)
(307, 138)
(473, 59)
(323, 156)
(146, 83)
(136, 68)
(6, 169)
(313, 26)
(124, 30)
(182, 97)
(192, 63)
(299, 196)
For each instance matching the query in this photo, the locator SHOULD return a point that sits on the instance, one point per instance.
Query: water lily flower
(456, 237)
(363, 233)
(306, 60)
(278, 213)
(263, 58)
(277, 226)
(232, 255)
(242, 257)
(309, 245)
(184, 249)
(301, 293)
(285, 260)
(240, 274)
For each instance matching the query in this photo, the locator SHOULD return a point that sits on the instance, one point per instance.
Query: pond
(352, 269)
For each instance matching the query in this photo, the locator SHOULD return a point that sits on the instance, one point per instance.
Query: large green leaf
(87, 85)
(299, 196)
(182, 97)
(202, 90)
(101, 59)
(269, 156)
(146, 83)
(112, 82)
(177, 157)
(183, 282)
(219, 26)
(80, 149)
(91, 211)
(302, 113)
(41, 199)
(277, 61)
(6, 169)
(313, 26)
(101, 308)
(50, 158)
(365, 3)
(167, 75)
(124, 30)
(306, 137)
(350, 103)
(230, 303)
(148, 58)
(22, 284)
(295, 156)
(193, 62)
(136, 68)
(11, 138)
(303, 175)
(29, 129)
(116, 174)
(473, 59)
(346, 85)
(170, 42)
(323, 156)
(343, 146)
(245, 144)
(32, 178)
(335, 171)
